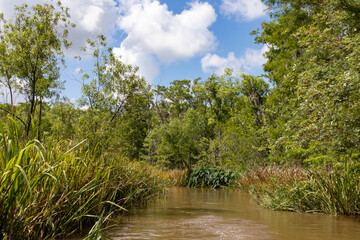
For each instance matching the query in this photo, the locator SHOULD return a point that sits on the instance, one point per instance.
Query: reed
(173, 177)
(335, 191)
(53, 189)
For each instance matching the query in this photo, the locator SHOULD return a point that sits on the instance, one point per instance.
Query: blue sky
(167, 39)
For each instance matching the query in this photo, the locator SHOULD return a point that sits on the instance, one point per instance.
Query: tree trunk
(12, 101)
(39, 122)
(31, 111)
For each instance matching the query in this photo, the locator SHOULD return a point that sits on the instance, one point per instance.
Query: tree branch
(14, 115)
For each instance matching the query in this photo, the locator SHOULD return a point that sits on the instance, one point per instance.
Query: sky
(168, 39)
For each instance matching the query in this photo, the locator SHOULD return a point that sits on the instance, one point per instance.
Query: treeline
(305, 109)
(70, 160)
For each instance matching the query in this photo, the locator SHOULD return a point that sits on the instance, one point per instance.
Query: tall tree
(7, 70)
(37, 37)
(312, 63)
(256, 89)
(114, 94)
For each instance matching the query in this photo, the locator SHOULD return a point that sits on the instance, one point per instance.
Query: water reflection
(226, 214)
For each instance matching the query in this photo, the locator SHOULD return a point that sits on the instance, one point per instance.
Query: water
(226, 214)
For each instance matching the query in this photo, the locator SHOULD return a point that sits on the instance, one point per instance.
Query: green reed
(50, 190)
(335, 191)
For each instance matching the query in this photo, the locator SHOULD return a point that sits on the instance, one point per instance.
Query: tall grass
(50, 190)
(335, 191)
(173, 177)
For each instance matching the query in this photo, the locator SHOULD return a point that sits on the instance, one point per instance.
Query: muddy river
(227, 214)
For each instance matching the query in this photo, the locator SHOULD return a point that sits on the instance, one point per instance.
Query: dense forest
(304, 112)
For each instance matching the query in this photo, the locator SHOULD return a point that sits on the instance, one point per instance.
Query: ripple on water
(225, 214)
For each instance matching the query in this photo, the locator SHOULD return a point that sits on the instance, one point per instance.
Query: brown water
(226, 214)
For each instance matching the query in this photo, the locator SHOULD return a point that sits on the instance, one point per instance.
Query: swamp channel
(195, 213)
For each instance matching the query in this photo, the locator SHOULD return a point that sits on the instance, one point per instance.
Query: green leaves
(211, 177)
(313, 63)
(35, 41)
(177, 144)
(115, 97)
(49, 190)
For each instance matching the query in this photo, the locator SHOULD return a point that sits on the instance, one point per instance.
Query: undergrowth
(335, 191)
(50, 190)
(211, 177)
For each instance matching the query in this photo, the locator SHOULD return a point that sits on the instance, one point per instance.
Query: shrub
(211, 177)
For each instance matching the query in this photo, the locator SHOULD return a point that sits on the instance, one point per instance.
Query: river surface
(227, 214)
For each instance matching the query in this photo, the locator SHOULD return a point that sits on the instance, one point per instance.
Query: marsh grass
(173, 177)
(50, 190)
(335, 191)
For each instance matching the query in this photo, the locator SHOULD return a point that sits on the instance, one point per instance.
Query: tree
(312, 110)
(177, 144)
(114, 95)
(7, 71)
(63, 118)
(36, 39)
(256, 89)
(326, 123)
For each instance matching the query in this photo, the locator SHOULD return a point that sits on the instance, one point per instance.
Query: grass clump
(50, 190)
(211, 177)
(173, 177)
(335, 191)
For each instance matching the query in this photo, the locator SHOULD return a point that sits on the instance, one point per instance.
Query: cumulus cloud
(90, 16)
(156, 35)
(252, 60)
(243, 9)
(149, 66)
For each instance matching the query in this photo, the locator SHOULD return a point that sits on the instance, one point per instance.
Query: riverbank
(51, 190)
(332, 191)
(335, 191)
(209, 214)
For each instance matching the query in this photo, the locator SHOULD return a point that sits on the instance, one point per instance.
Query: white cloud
(252, 60)
(90, 20)
(243, 9)
(78, 70)
(90, 16)
(148, 65)
(156, 35)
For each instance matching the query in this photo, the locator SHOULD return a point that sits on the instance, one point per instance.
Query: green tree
(256, 89)
(62, 119)
(312, 110)
(326, 123)
(177, 144)
(36, 38)
(7, 70)
(114, 95)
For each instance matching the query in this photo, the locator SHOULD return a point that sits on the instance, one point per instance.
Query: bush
(211, 177)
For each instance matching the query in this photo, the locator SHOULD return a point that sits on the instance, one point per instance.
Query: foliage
(294, 189)
(215, 122)
(174, 177)
(116, 97)
(313, 64)
(211, 177)
(50, 190)
(178, 143)
(34, 41)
